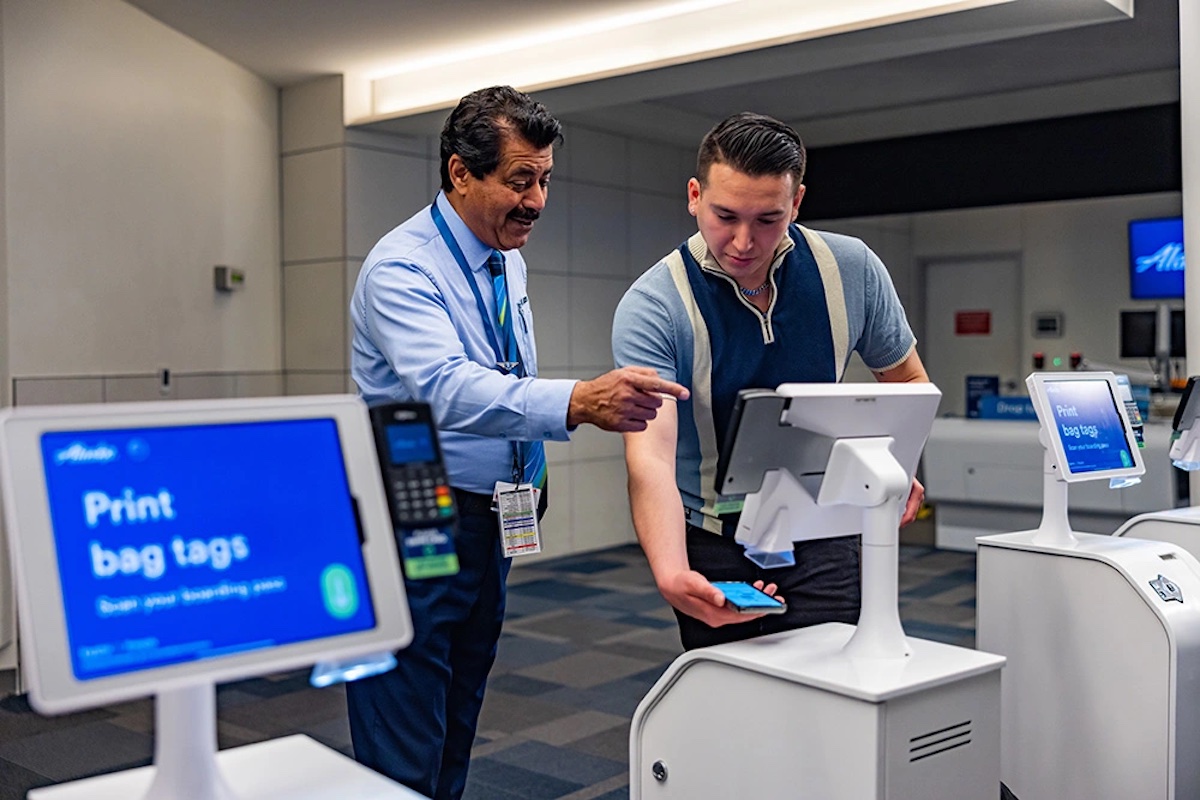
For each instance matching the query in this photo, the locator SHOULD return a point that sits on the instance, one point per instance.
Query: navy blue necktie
(533, 454)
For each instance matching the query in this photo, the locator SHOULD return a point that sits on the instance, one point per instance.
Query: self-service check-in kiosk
(831, 712)
(1180, 526)
(161, 548)
(1101, 693)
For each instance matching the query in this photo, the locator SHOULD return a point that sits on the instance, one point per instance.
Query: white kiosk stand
(832, 712)
(1180, 526)
(1102, 634)
(161, 548)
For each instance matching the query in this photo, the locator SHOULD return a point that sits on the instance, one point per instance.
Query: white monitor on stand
(161, 548)
(1087, 437)
(821, 460)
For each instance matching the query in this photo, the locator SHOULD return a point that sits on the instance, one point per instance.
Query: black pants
(823, 586)
(416, 724)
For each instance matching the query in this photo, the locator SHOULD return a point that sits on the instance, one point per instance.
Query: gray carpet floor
(585, 639)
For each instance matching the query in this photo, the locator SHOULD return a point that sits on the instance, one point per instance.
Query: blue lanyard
(456, 251)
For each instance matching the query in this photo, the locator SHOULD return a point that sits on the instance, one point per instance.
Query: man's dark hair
(476, 128)
(753, 144)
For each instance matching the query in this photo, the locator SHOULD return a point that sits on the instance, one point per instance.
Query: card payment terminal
(417, 489)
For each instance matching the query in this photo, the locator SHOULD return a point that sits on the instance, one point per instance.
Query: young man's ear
(796, 202)
(693, 196)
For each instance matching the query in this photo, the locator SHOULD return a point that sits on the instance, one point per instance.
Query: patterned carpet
(585, 639)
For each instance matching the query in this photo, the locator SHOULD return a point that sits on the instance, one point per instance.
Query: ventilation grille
(939, 741)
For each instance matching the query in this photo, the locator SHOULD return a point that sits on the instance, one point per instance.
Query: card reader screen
(410, 443)
(193, 542)
(1089, 425)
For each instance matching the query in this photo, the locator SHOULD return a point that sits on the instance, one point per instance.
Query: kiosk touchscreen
(1089, 434)
(162, 548)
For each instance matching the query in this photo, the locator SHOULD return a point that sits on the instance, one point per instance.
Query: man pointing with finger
(441, 316)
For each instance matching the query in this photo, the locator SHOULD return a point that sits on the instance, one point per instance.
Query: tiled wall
(142, 388)
(616, 205)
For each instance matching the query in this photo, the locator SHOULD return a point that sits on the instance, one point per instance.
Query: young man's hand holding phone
(749, 600)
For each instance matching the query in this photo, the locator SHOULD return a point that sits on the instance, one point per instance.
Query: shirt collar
(704, 257)
(474, 250)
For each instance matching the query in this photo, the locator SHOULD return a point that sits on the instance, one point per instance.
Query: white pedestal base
(790, 715)
(294, 767)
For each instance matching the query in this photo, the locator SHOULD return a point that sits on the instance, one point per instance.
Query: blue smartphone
(748, 600)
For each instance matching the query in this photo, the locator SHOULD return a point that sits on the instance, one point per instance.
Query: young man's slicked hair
(476, 128)
(753, 144)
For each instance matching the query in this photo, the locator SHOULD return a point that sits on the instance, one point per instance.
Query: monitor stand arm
(863, 472)
(185, 746)
(1055, 527)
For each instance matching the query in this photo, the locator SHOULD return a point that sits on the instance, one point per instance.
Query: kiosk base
(295, 767)
(791, 715)
(1102, 636)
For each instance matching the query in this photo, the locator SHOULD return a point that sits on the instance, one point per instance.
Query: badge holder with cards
(417, 489)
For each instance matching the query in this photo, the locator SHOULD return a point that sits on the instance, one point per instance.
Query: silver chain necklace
(752, 292)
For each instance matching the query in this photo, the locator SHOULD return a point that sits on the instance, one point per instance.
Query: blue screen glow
(410, 443)
(1156, 258)
(1089, 425)
(185, 543)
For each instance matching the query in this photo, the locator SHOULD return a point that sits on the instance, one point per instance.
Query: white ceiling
(1024, 60)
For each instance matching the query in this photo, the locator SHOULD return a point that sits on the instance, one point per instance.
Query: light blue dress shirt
(418, 335)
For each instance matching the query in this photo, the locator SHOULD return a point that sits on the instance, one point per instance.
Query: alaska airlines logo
(1169, 258)
(79, 453)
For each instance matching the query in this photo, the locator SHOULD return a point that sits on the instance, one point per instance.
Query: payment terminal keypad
(421, 496)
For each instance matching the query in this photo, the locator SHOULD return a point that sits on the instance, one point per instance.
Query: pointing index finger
(656, 385)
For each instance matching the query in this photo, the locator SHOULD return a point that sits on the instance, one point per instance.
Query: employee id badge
(516, 508)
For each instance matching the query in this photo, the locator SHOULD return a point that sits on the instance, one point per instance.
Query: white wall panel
(599, 231)
(311, 115)
(550, 299)
(384, 189)
(313, 203)
(548, 248)
(315, 310)
(593, 156)
(654, 229)
(593, 302)
(135, 161)
(601, 504)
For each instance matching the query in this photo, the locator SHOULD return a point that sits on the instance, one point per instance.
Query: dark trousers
(416, 724)
(823, 586)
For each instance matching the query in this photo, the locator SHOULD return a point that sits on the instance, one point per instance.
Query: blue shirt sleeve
(409, 320)
(887, 338)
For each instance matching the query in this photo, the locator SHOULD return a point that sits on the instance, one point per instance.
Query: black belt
(476, 504)
(472, 502)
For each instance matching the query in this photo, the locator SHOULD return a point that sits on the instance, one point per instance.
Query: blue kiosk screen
(1089, 425)
(183, 543)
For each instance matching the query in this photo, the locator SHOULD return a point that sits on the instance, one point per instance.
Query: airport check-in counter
(985, 476)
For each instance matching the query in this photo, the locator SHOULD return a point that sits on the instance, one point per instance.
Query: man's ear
(693, 196)
(459, 174)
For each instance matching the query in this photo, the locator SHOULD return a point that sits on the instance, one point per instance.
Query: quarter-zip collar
(704, 257)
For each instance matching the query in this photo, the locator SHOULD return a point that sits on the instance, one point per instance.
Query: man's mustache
(525, 215)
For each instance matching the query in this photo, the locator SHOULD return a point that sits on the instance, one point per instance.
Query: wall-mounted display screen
(1139, 334)
(1156, 262)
